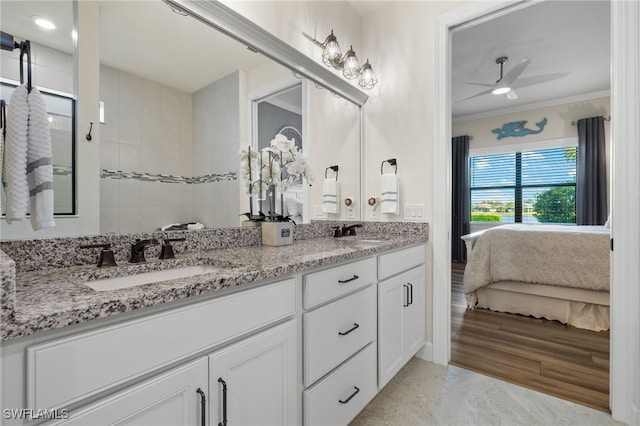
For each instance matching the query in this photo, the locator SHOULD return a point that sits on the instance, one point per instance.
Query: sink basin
(127, 281)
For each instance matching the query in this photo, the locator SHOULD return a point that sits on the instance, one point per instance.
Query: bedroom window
(537, 186)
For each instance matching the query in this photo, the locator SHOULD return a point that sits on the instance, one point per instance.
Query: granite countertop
(55, 298)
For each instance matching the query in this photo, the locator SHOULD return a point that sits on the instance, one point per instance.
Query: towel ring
(334, 168)
(391, 161)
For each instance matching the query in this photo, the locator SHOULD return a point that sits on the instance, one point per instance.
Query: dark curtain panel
(460, 199)
(591, 185)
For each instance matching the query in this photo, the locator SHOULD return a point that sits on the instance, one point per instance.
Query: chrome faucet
(137, 250)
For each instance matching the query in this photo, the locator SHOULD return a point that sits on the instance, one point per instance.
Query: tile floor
(423, 393)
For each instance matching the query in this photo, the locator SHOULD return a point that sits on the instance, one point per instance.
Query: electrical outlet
(351, 214)
(374, 213)
(319, 214)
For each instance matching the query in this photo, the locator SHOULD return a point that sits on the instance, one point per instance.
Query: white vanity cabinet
(173, 398)
(254, 382)
(401, 323)
(139, 371)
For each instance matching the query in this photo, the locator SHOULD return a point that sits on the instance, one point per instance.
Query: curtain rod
(607, 118)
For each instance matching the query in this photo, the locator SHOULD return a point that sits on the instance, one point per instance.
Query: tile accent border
(152, 177)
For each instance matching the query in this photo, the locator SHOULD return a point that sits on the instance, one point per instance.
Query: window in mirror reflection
(60, 109)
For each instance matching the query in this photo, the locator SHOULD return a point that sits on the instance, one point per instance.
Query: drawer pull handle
(405, 304)
(355, 277)
(355, 325)
(224, 402)
(357, 389)
(203, 407)
(410, 293)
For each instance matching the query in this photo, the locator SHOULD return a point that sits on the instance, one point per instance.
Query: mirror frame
(241, 29)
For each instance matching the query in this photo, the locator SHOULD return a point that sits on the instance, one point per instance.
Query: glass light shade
(501, 90)
(367, 77)
(351, 65)
(331, 53)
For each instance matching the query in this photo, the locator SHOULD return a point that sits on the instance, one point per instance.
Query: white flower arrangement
(279, 165)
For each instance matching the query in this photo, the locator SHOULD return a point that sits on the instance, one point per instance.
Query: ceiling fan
(506, 84)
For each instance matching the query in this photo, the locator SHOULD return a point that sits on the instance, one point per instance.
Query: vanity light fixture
(347, 63)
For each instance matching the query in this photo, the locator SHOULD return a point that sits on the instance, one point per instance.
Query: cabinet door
(172, 398)
(401, 330)
(391, 295)
(254, 382)
(413, 333)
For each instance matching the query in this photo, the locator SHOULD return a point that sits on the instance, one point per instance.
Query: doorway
(280, 110)
(625, 319)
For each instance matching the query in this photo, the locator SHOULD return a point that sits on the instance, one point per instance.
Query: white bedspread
(561, 255)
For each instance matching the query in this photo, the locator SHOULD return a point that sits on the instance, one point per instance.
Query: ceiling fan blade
(484, 92)
(479, 84)
(538, 79)
(515, 72)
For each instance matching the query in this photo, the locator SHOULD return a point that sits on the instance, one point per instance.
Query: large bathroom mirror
(52, 71)
(175, 111)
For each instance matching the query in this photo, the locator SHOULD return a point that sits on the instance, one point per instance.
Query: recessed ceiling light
(43, 22)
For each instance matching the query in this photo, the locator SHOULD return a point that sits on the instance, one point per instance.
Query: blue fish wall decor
(517, 128)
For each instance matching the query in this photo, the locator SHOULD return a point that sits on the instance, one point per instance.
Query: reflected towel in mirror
(330, 196)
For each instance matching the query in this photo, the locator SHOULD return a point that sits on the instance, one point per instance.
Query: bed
(557, 272)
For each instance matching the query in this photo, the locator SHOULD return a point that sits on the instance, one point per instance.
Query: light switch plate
(414, 212)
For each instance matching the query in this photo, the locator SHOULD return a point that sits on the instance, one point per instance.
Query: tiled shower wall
(146, 133)
(155, 153)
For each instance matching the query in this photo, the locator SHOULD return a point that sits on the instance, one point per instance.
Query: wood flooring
(542, 355)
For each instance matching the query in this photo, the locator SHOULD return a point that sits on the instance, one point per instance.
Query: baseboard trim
(426, 352)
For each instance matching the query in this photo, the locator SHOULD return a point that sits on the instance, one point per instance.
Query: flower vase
(277, 233)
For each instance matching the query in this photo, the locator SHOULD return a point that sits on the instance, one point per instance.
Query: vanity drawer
(336, 331)
(339, 397)
(67, 370)
(393, 263)
(325, 285)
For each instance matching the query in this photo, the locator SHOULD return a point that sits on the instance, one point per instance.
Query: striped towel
(14, 168)
(39, 163)
(330, 196)
(389, 198)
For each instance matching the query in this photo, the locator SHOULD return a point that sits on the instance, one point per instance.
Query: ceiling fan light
(351, 65)
(501, 90)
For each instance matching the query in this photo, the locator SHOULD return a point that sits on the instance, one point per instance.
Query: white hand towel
(389, 196)
(14, 168)
(330, 196)
(39, 163)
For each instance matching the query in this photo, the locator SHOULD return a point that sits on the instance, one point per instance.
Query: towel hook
(334, 168)
(25, 48)
(391, 161)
